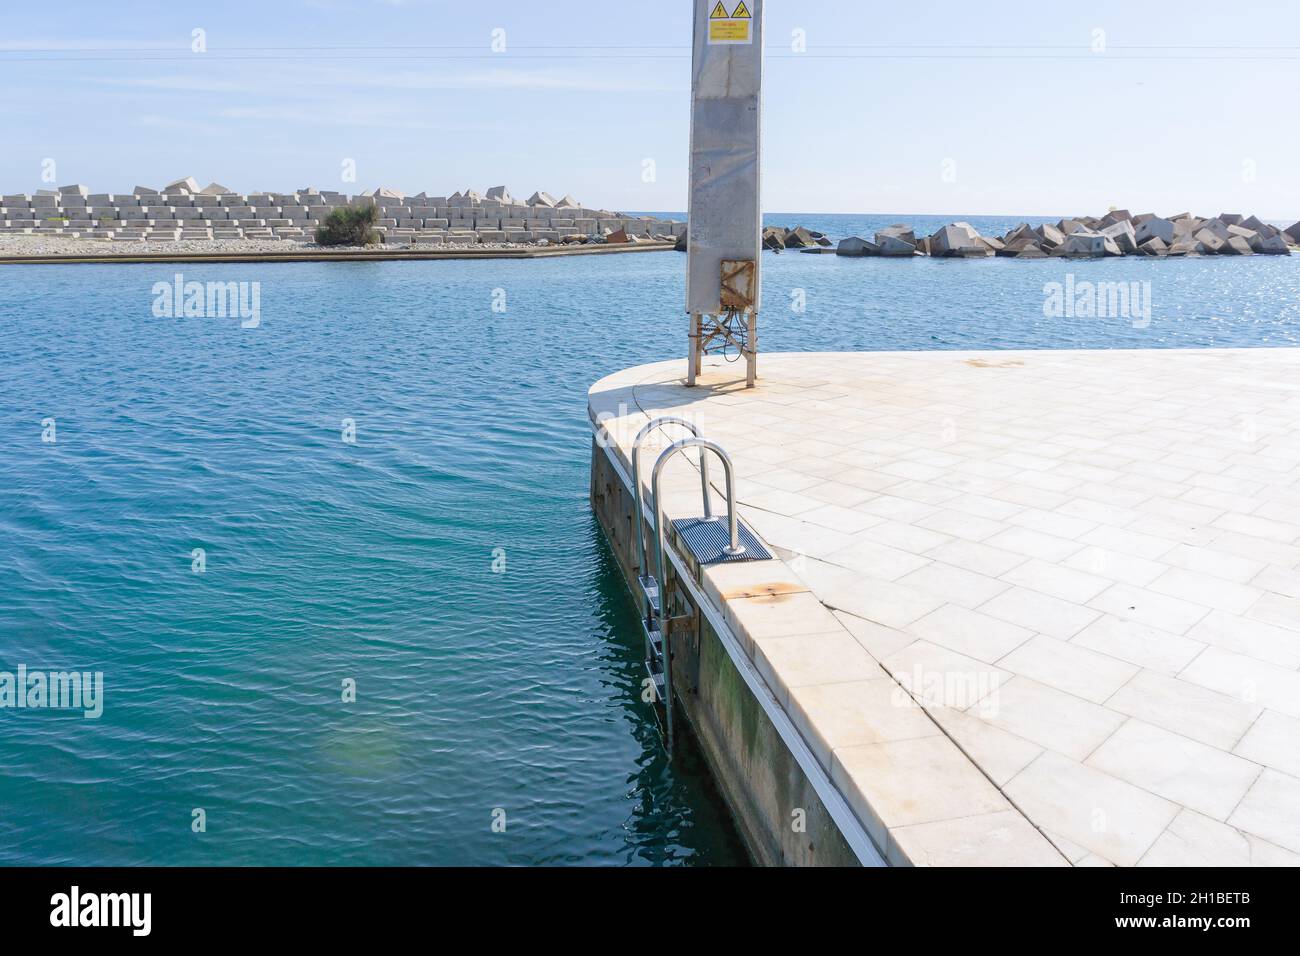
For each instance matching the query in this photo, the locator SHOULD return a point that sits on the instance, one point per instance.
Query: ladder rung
(655, 638)
(650, 590)
(658, 677)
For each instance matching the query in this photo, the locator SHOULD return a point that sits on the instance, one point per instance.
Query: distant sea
(446, 561)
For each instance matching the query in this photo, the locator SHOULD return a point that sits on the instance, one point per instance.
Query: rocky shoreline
(1118, 233)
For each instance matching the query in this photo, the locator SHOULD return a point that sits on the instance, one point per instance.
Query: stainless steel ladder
(703, 537)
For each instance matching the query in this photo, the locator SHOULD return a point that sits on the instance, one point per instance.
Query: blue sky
(941, 107)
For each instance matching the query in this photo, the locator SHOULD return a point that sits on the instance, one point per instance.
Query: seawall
(785, 808)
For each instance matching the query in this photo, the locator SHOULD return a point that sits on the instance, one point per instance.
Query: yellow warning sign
(729, 31)
(734, 27)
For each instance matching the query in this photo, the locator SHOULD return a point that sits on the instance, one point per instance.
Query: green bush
(349, 226)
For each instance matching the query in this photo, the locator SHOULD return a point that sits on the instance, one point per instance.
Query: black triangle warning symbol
(741, 12)
(719, 12)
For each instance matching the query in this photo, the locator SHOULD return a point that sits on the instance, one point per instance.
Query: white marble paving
(1048, 603)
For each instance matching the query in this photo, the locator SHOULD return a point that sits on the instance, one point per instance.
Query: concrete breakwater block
(147, 213)
(898, 231)
(857, 246)
(1122, 235)
(1274, 246)
(1155, 228)
(958, 240)
(890, 245)
(1117, 233)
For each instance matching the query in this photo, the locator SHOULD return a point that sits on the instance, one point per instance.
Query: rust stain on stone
(984, 363)
(777, 591)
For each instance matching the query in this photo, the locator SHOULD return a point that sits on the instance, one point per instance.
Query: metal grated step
(650, 591)
(706, 539)
(655, 638)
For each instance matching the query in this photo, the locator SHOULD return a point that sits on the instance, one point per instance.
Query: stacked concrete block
(183, 209)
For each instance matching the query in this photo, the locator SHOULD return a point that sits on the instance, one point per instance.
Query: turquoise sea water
(327, 561)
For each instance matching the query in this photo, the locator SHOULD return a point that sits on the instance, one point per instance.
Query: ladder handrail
(733, 528)
(734, 548)
(638, 507)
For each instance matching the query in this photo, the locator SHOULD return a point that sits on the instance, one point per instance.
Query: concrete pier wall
(777, 808)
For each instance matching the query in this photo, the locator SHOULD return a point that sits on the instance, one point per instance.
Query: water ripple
(373, 561)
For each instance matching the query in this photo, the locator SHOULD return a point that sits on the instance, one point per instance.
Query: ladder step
(650, 591)
(658, 677)
(655, 637)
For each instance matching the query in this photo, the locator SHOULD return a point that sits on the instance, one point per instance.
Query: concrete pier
(1029, 608)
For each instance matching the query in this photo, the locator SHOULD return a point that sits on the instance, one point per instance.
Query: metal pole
(725, 220)
(693, 364)
(751, 359)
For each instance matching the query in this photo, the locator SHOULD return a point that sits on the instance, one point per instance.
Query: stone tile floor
(1031, 607)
